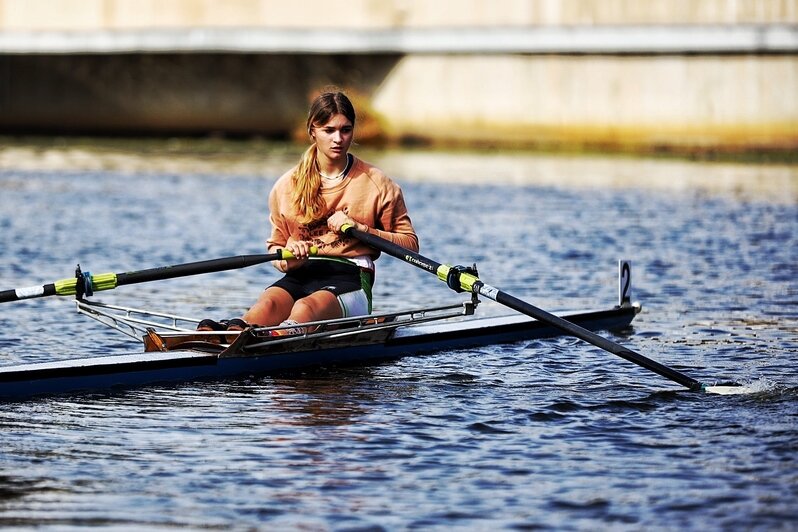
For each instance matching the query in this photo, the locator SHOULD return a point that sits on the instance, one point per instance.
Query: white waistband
(363, 261)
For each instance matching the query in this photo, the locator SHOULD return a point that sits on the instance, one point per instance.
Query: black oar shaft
(108, 281)
(472, 283)
(194, 268)
(15, 294)
(593, 338)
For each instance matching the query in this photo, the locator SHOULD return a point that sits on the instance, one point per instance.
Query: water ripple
(547, 434)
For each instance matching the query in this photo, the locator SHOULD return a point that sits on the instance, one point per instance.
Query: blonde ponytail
(308, 201)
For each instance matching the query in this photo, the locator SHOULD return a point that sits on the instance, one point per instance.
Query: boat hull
(126, 371)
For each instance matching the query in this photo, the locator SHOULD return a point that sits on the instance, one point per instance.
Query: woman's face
(334, 138)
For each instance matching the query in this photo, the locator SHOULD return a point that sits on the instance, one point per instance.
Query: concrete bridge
(711, 76)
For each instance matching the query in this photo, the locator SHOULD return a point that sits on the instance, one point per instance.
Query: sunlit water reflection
(554, 434)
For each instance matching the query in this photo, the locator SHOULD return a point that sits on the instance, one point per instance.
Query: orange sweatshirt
(367, 195)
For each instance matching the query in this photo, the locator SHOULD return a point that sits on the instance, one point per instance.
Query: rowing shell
(376, 338)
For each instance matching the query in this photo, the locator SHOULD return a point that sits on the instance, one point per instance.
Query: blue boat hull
(126, 371)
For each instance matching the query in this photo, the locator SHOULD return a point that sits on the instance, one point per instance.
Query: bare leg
(321, 305)
(273, 306)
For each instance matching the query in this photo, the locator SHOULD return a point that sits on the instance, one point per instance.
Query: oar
(87, 283)
(461, 279)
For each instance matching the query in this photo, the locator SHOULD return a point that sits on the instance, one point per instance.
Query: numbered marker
(624, 283)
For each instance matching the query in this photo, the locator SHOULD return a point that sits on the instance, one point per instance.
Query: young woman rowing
(308, 205)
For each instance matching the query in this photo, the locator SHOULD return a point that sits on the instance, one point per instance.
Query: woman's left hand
(300, 249)
(339, 218)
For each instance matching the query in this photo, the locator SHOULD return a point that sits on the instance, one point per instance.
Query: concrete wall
(164, 93)
(122, 14)
(729, 102)
(699, 99)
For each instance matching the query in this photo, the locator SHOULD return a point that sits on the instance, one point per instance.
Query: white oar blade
(729, 390)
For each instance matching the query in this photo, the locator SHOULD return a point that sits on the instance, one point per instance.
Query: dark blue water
(546, 434)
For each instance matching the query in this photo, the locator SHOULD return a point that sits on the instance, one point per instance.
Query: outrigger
(175, 352)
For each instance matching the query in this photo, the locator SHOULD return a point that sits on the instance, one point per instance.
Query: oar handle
(88, 283)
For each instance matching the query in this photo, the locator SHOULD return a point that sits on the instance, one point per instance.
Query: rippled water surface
(546, 434)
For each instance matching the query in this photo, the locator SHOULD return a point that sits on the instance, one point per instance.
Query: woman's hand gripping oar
(461, 280)
(85, 283)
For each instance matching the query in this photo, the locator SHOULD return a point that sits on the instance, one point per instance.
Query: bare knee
(320, 305)
(303, 311)
(270, 309)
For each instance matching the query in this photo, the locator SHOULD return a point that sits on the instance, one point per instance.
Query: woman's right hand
(300, 249)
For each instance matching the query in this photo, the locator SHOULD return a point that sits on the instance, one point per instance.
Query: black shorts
(321, 274)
